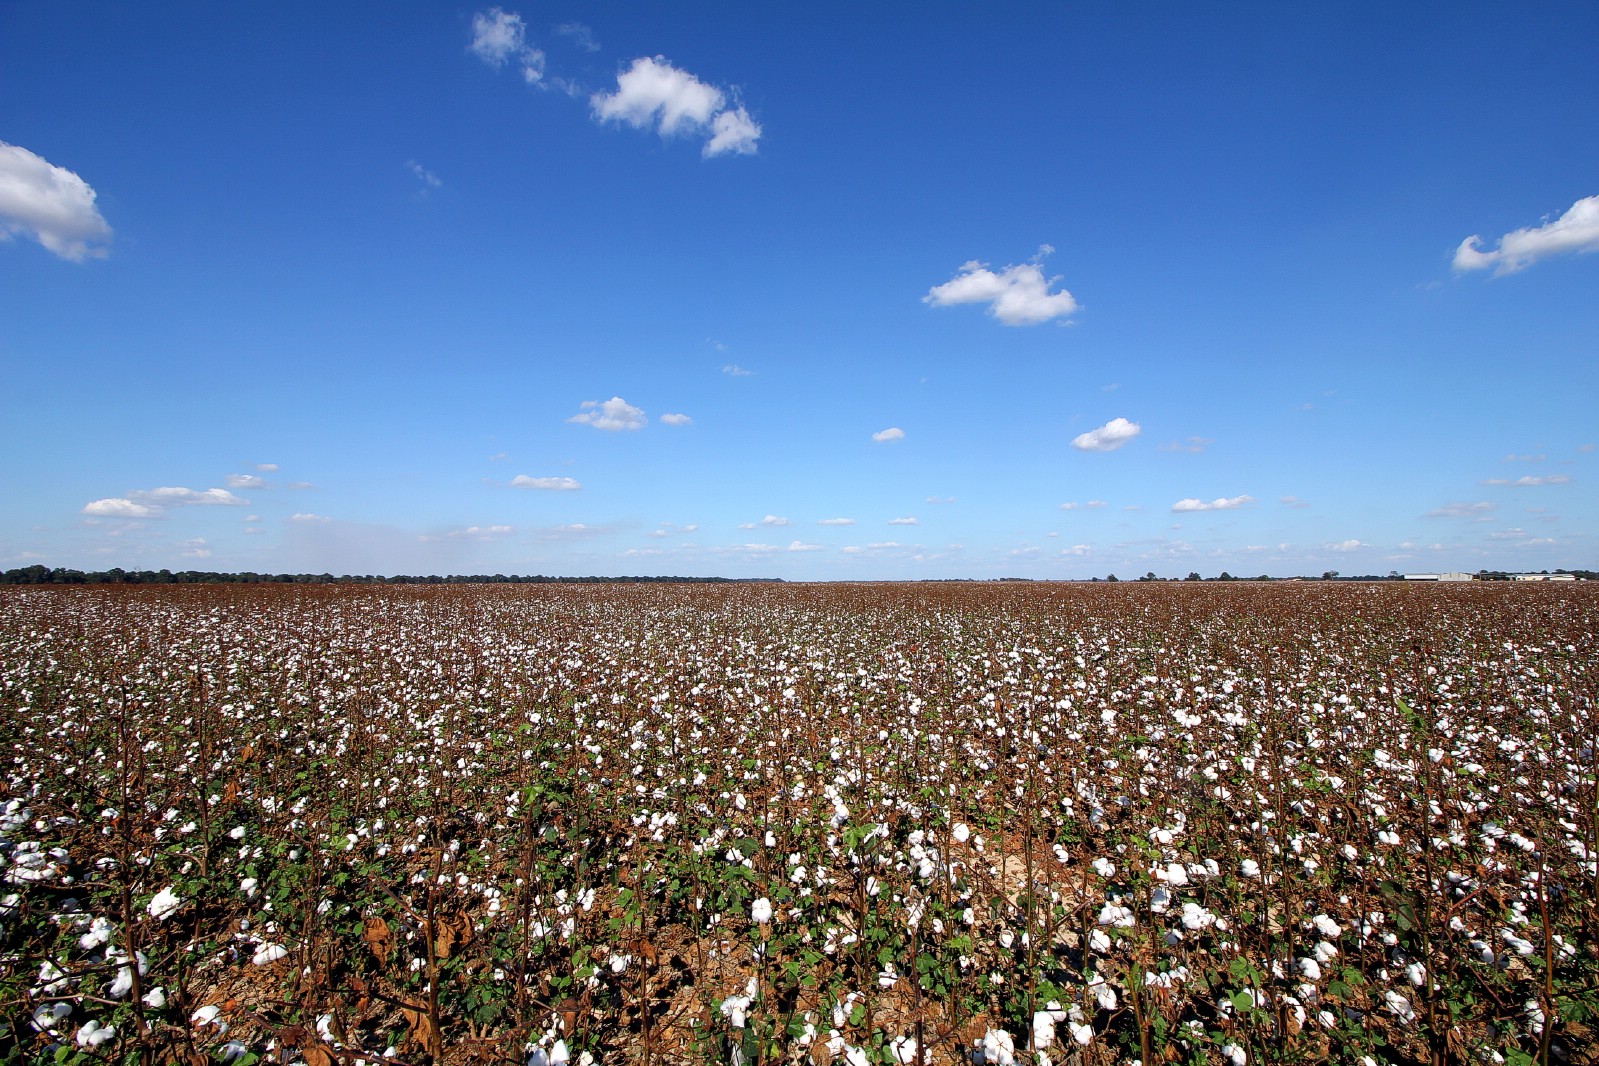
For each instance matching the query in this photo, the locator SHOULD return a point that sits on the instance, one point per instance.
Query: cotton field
(759, 824)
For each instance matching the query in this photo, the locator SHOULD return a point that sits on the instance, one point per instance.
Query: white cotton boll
(1416, 974)
(237, 832)
(248, 887)
(1311, 969)
(1325, 952)
(267, 954)
(999, 1048)
(100, 931)
(164, 903)
(1234, 1054)
(91, 1034)
(1082, 1033)
(1399, 1005)
(123, 984)
(1098, 941)
(47, 1016)
(1249, 868)
(233, 1050)
(1104, 867)
(904, 1049)
(155, 999)
(961, 832)
(205, 1015)
(761, 910)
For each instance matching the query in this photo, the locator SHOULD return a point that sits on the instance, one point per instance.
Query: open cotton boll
(961, 832)
(100, 931)
(164, 903)
(266, 954)
(91, 1034)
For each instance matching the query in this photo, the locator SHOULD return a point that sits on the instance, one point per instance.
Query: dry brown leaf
(378, 938)
(423, 1032)
(318, 1055)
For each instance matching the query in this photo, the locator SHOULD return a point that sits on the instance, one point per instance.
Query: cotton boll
(761, 911)
(91, 1034)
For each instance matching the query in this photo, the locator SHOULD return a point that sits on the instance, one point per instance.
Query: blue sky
(809, 291)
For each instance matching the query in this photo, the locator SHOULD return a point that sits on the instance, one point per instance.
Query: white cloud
(613, 414)
(1096, 504)
(733, 370)
(1077, 549)
(195, 549)
(51, 204)
(801, 546)
(1293, 501)
(1346, 546)
(552, 484)
(428, 179)
(883, 436)
(1193, 445)
(245, 481)
(176, 496)
(940, 499)
(1575, 231)
(1107, 438)
(1479, 510)
(1522, 482)
(1018, 295)
(119, 507)
(500, 37)
(267, 468)
(1226, 503)
(908, 520)
(580, 34)
(676, 419)
(474, 533)
(652, 93)
(774, 520)
(306, 516)
(835, 521)
(733, 131)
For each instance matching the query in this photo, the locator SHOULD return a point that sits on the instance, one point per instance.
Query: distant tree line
(60, 575)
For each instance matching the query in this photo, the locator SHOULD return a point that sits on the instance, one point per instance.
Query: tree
(1193, 575)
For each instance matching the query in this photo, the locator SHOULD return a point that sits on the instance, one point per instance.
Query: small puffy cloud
(676, 420)
(267, 468)
(428, 179)
(940, 499)
(613, 414)
(51, 204)
(908, 520)
(652, 93)
(481, 533)
(835, 521)
(1345, 546)
(1107, 438)
(801, 546)
(1225, 503)
(668, 529)
(500, 37)
(883, 436)
(120, 507)
(733, 131)
(1092, 505)
(1479, 510)
(549, 484)
(176, 496)
(1077, 549)
(195, 549)
(733, 370)
(245, 481)
(1529, 480)
(1575, 231)
(308, 517)
(1017, 295)
(774, 520)
(1293, 501)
